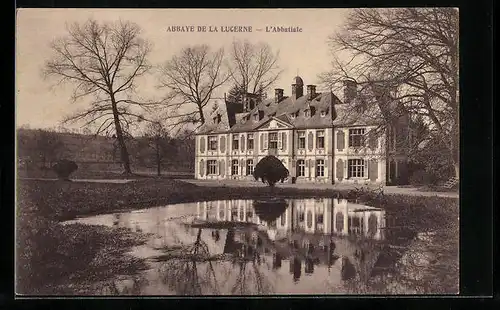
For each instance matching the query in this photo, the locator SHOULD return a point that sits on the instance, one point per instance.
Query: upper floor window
(236, 141)
(302, 140)
(320, 167)
(212, 143)
(320, 139)
(356, 137)
(250, 141)
(273, 140)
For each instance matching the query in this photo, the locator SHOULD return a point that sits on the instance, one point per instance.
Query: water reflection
(246, 247)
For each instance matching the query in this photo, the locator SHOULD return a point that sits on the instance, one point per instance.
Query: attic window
(292, 116)
(313, 111)
(307, 113)
(323, 113)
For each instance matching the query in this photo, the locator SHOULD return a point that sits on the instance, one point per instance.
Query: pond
(247, 247)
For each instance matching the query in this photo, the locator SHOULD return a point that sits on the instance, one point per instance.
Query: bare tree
(103, 62)
(159, 142)
(191, 77)
(253, 67)
(407, 56)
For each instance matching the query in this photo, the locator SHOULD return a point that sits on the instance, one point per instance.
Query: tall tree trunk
(202, 115)
(121, 140)
(158, 159)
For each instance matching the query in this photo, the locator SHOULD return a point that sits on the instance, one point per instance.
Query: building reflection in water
(310, 216)
(315, 232)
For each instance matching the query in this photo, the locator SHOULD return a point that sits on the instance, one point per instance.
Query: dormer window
(256, 117)
(307, 113)
(292, 116)
(217, 118)
(323, 113)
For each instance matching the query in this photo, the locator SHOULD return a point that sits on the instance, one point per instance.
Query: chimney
(278, 95)
(350, 90)
(297, 88)
(311, 92)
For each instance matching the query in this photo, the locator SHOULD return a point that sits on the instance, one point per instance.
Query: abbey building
(317, 136)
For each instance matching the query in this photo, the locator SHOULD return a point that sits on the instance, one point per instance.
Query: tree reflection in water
(181, 270)
(250, 279)
(190, 270)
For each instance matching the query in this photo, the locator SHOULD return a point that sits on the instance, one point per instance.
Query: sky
(39, 105)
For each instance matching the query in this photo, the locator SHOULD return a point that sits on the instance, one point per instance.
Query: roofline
(290, 128)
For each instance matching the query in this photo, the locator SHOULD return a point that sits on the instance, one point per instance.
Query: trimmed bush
(270, 170)
(64, 168)
(422, 177)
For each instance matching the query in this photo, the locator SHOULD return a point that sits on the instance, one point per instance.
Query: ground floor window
(320, 167)
(356, 168)
(234, 167)
(249, 166)
(211, 167)
(301, 168)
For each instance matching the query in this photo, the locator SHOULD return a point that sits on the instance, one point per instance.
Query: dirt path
(387, 189)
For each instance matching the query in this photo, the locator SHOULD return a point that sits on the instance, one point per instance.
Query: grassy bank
(51, 255)
(60, 200)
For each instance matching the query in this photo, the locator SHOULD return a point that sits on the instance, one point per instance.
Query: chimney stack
(350, 90)
(278, 95)
(297, 88)
(311, 92)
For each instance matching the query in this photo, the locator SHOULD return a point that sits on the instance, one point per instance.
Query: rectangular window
(211, 167)
(273, 140)
(320, 139)
(283, 219)
(320, 167)
(301, 168)
(302, 139)
(356, 137)
(236, 141)
(212, 143)
(355, 168)
(250, 141)
(234, 167)
(249, 166)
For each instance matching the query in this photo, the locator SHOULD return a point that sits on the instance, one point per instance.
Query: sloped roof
(292, 112)
(214, 126)
(286, 107)
(350, 115)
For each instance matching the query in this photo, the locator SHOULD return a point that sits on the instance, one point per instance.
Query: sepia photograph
(237, 152)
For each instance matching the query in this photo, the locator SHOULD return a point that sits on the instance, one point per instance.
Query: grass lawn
(51, 255)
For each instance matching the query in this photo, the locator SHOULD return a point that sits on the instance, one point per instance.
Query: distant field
(86, 172)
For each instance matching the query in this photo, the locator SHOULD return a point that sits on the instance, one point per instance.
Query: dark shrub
(422, 177)
(64, 168)
(270, 170)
